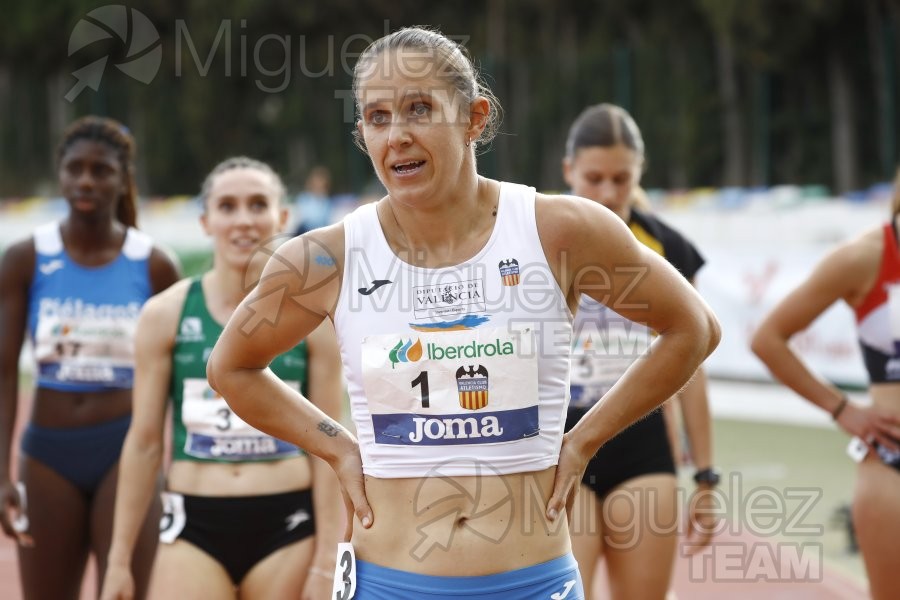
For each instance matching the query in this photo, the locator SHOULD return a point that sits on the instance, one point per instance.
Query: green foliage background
(728, 92)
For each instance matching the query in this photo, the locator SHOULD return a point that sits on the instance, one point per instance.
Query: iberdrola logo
(405, 352)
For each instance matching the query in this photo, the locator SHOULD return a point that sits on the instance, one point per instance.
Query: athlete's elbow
(761, 342)
(713, 332)
(214, 370)
(758, 345)
(703, 332)
(227, 380)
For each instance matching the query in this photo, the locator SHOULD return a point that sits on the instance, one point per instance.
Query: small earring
(468, 141)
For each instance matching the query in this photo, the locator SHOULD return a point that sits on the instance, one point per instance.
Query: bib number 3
(344, 573)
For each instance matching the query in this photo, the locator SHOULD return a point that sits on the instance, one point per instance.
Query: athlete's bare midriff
(461, 525)
(59, 409)
(239, 479)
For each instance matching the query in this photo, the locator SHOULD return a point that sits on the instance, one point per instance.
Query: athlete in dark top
(632, 477)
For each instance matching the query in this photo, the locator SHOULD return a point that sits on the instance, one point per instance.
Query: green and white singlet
(204, 427)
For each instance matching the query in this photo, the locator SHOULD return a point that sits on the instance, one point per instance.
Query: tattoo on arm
(329, 428)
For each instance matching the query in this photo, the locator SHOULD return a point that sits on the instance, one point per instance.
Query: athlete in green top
(239, 512)
(203, 427)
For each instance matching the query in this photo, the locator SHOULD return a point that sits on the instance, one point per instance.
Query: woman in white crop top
(452, 297)
(864, 273)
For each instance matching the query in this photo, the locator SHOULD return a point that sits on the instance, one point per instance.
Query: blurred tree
(881, 32)
(726, 92)
(723, 17)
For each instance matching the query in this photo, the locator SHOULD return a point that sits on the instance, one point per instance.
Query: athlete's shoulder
(21, 250)
(863, 249)
(855, 262)
(323, 246)
(167, 304)
(18, 260)
(569, 211)
(164, 268)
(565, 220)
(851, 268)
(308, 267)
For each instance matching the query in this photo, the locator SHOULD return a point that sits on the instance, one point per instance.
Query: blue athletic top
(82, 319)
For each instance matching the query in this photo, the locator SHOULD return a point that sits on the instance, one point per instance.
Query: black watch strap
(708, 476)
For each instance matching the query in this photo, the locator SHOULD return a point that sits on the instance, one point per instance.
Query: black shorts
(641, 449)
(238, 531)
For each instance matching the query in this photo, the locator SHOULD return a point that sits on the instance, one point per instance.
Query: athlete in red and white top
(864, 273)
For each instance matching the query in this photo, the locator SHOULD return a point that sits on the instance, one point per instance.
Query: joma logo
(451, 428)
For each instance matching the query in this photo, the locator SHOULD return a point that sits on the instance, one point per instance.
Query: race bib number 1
(464, 387)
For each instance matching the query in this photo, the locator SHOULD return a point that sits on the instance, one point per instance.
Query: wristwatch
(708, 476)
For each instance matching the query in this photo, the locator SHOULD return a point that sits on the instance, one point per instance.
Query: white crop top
(455, 371)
